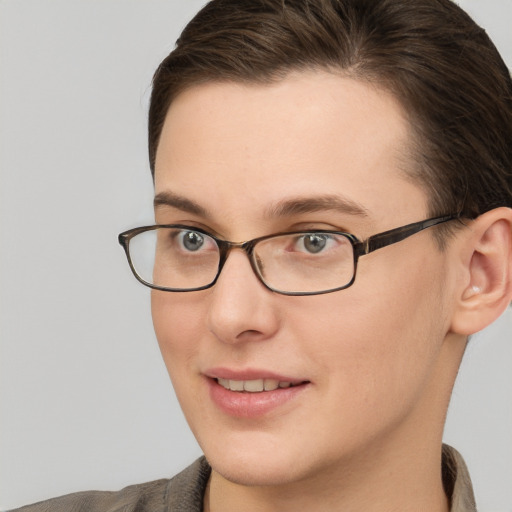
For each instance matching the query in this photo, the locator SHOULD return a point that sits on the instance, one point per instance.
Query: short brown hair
(440, 65)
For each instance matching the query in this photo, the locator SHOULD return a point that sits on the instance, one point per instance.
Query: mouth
(251, 395)
(256, 385)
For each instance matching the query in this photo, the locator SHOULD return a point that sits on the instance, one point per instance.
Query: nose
(241, 308)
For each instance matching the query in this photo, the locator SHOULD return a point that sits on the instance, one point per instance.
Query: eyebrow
(179, 202)
(297, 206)
(284, 208)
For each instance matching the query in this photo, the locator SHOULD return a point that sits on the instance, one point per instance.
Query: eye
(314, 242)
(191, 240)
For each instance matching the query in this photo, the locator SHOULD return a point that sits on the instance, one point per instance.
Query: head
(402, 107)
(429, 54)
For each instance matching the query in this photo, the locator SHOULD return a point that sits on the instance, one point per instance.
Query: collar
(456, 480)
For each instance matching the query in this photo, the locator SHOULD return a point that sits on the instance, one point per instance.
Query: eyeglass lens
(183, 259)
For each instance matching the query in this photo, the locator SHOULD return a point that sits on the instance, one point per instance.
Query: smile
(250, 396)
(253, 386)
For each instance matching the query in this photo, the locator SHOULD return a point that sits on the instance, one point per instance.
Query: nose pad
(241, 306)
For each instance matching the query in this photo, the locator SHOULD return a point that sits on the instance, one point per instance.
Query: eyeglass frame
(359, 248)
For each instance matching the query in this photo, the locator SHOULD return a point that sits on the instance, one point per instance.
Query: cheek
(399, 296)
(177, 319)
(378, 341)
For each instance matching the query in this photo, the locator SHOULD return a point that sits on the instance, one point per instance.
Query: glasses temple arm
(398, 234)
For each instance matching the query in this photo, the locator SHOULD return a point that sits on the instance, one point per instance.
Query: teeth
(236, 385)
(253, 386)
(224, 383)
(270, 384)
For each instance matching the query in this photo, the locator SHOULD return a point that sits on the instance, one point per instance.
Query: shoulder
(186, 489)
(456, 481)
(140, 497)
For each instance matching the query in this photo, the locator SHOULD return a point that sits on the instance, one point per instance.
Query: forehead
(310, 133)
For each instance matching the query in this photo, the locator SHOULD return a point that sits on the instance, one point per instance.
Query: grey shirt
(185, 491)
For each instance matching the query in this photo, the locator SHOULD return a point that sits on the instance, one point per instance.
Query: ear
(486, 262)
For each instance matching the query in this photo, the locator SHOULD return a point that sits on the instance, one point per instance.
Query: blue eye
(192, 240)
(314, 242)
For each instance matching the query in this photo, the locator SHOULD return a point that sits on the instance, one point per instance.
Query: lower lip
(252, 405)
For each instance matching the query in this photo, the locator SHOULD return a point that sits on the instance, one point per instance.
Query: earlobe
(486, 288)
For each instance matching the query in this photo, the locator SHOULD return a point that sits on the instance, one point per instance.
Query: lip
(250, 374)
(252, 405)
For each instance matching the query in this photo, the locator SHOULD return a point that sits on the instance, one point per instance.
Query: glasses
(178, 258)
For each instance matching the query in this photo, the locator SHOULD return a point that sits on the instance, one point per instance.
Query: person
(333, 220)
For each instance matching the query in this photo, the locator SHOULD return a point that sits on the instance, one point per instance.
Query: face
(365, 362)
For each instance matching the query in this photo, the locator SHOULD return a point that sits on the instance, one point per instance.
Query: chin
(265, 460)
(256, 473)
(252, 458)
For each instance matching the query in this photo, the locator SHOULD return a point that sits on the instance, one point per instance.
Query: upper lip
(250, 374)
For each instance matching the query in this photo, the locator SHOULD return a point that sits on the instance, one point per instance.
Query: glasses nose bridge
(225, 248)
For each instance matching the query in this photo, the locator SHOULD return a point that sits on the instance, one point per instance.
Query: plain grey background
(85, 399)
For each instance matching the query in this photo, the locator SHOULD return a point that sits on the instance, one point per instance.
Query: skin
(380, 357)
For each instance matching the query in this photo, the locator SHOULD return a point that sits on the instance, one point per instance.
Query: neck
(406, 479)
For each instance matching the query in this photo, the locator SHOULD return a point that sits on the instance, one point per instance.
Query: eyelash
(190, 224)
(312, 226)
(302, 226)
